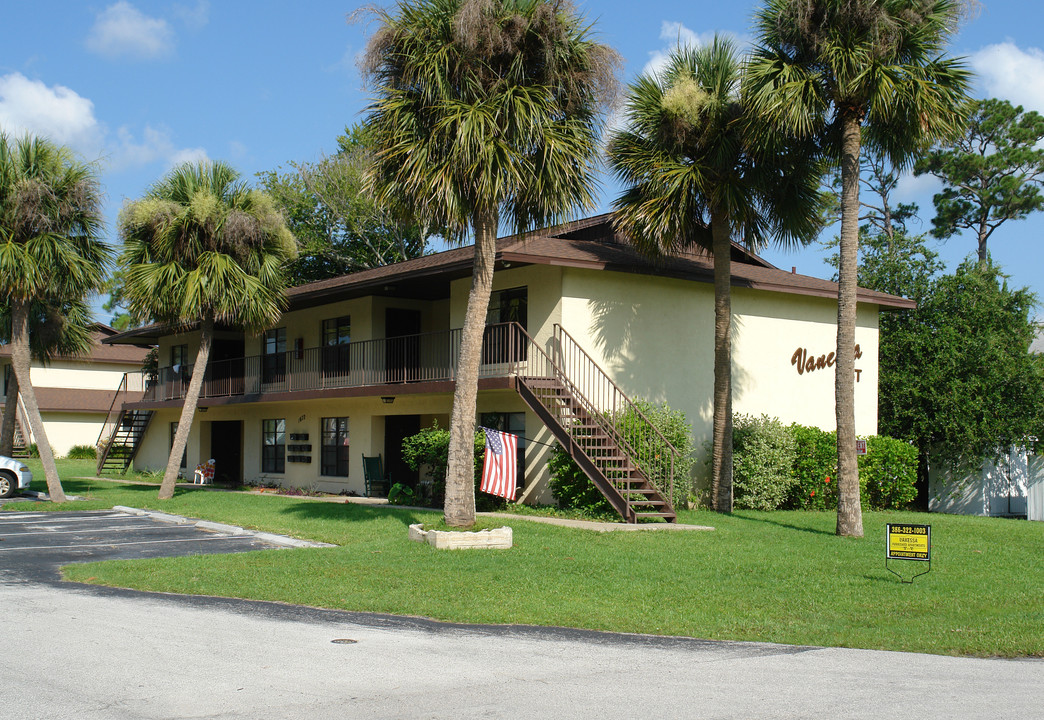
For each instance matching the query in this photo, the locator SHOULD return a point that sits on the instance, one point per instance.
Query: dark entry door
(397, 427)
(402, 359)
(226, 447)
(225, 374)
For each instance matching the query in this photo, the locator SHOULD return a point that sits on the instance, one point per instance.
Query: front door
(225, 374)
(402, 358)
(226, 447)
(396, 428)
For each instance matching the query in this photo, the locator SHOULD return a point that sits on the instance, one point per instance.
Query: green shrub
(82, 452)
(400, 494)
(763, 462)
(574, 491)
(887, 473)
(815, 469)
(33, 450)
(431, 446)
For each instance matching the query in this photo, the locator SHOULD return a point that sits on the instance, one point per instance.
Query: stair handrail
(599, 415)
(621, 403)
(108, 427)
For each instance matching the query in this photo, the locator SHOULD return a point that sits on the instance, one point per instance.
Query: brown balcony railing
(428, 357)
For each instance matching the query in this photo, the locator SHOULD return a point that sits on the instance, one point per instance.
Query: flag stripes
(500, 469)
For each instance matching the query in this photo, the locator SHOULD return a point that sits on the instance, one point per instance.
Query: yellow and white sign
(909, 542)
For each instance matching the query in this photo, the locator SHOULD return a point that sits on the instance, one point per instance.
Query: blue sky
(140, 86)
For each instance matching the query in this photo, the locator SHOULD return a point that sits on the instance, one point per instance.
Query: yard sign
(908, 542)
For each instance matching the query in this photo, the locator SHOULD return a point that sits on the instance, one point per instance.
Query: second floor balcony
(406, 360)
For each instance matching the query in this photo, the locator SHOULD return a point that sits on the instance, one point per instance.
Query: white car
(14, 476)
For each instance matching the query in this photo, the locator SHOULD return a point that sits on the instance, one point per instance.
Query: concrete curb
(283, 540)
(45, 496)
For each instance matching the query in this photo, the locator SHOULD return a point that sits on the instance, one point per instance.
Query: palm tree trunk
(188, 410)
(7, 430)
(20, 361)
(849, 512)
(460, 474)
(721, 452)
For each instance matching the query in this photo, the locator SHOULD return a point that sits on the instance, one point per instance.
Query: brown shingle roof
(589, 242)
(101, 351)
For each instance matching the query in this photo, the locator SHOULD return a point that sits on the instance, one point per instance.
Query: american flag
(499, 473)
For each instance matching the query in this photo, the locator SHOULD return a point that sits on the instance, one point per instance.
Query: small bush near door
(431, 447)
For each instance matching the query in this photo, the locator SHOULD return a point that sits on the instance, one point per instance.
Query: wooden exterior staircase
(583, 408)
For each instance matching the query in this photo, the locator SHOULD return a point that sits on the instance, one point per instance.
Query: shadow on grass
(780, 523)
(353, 512)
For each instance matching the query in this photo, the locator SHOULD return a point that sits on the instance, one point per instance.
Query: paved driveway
(34, 545)
(73, 651)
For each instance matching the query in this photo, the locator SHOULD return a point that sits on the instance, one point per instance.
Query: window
(336, 336)
(514, 423)
(184, 455)
(178, 355)
(8, 369)
(273, 361)
(334, 461)
(273, 446)
(502, 344)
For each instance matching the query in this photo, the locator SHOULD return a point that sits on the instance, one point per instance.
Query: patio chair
(204, 474)
(373, 471)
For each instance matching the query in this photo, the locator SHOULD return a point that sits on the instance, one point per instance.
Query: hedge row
(777, 466)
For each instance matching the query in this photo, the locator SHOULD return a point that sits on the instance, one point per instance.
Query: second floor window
(178, 356)
(502, 344)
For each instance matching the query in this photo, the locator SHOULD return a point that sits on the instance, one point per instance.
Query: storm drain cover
(344, 641)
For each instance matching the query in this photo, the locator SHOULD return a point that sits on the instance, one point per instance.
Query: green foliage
(991, 173)
(340, 227)
(82, 452)
(815, 469)
(795, 467)
(400, 494)
(202, 245)
(957, 374)
(33, 450)
(888, 473)
(574, 491)
(431, 447)
(763, 461)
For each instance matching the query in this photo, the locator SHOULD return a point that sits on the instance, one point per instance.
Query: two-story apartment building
(75, 393)
(358, 362)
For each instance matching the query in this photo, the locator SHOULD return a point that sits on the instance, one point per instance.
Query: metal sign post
(908, 542)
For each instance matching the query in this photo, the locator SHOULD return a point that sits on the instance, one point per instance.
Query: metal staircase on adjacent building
(116, 454)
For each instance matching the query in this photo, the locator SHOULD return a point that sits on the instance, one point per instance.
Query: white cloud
(155, 145)
(1008, 72)
(56, 112)
(918, 189)
(123, 30)
(194, 18)
(677, 35)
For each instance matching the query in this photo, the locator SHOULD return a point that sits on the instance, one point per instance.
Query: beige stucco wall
(655, 338)
(82, 375)
(64, 430)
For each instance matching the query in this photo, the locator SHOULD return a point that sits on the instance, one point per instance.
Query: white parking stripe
(142, 542)
(165, 528)
(56, 518)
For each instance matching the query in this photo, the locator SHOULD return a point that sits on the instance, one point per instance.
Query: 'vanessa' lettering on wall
(804, 362)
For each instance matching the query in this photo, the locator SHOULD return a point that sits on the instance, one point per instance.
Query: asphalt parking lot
(34, 545)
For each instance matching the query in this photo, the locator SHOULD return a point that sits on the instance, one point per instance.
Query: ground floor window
(184, 455)
(273, 446)
(514, 423)
(335, 447)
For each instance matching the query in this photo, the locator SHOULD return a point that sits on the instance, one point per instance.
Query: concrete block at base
(495, 539)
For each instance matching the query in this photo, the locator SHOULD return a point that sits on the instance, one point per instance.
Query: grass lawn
(769, 576)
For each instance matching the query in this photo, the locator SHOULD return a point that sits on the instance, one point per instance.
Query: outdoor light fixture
(203, 408)
(387, 399)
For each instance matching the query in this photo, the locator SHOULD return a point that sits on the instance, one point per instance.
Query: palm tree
(203, 248)
(50, 221)
(56, 329)
(701, 169)
(485, 110)
(855, 72)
